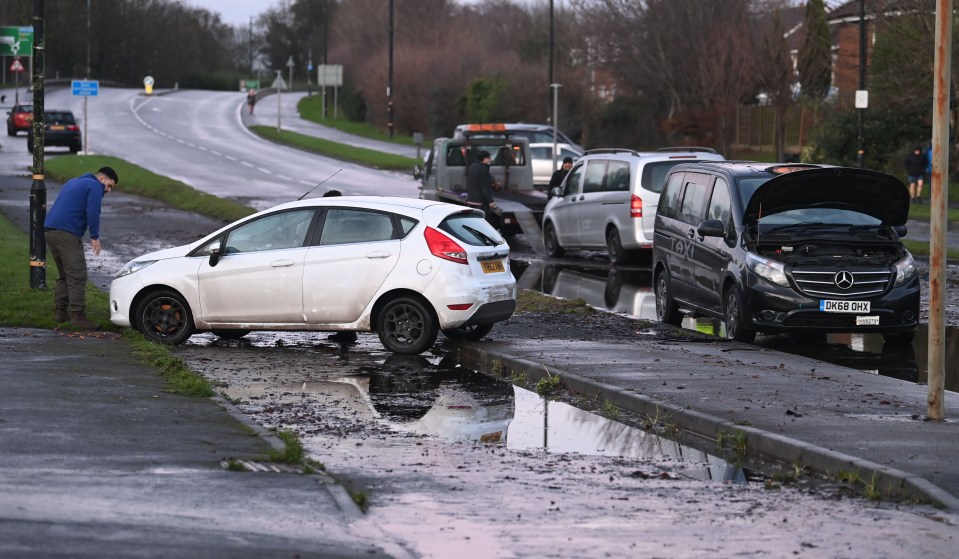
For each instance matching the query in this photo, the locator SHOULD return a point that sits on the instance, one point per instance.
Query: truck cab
(443, 175)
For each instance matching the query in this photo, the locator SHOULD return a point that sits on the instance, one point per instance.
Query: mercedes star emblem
(843, 280)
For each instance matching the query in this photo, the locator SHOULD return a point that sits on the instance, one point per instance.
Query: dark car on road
(59, 129)
(20, 117)
(785, 248)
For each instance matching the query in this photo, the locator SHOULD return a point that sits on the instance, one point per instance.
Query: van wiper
(805, 225)
(487, 240)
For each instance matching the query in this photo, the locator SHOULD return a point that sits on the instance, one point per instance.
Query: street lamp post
(389, 82)
(555, 87)
(38, 190)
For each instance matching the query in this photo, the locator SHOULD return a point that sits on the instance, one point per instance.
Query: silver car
(608, 200)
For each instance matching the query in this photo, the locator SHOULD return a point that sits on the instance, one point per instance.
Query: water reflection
(557, 427)
(630, 292)
(437, 397)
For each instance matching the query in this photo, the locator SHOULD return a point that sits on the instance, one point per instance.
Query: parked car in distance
(19, 118)
(608, 200)
(791, 248)
(59, 129)
(534, 133)
(542, 157)
(404, 268)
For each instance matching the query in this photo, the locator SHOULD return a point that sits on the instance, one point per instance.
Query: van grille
(822, 282)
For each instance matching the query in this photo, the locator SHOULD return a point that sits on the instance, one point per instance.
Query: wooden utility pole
(937, 210)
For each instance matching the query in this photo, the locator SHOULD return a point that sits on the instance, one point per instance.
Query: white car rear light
(444, 247)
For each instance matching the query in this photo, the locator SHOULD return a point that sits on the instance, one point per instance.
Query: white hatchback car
(402, 267)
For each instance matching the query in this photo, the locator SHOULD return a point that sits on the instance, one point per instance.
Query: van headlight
(770, 270)
(905, 270)
(133, 267)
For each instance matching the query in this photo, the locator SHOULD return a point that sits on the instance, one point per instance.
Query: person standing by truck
(479, 186)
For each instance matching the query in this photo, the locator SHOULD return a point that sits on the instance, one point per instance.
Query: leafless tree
(776, 78)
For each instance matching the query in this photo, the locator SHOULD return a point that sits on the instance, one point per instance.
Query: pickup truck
(443, 178)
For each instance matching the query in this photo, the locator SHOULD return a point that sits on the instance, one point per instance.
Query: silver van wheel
(614, 246)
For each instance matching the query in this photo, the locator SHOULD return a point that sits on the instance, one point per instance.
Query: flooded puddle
(630, 292)
(419, 396)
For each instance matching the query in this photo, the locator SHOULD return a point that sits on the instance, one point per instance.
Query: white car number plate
(854, 307)
(867, 321)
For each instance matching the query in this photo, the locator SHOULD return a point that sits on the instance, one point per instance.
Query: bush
(887, 137)
(220, 81)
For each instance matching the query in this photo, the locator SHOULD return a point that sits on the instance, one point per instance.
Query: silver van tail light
(635, 206)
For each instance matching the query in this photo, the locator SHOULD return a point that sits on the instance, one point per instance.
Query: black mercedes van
(785, 248)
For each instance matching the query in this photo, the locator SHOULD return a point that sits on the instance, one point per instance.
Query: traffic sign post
(85, 89)
(17, 68)
(329, 75)
(148, 85)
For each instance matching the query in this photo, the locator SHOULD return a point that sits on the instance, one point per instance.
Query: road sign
(16, 66)
(148, 85)
(16, 41)
(85, 88)
(329, 75)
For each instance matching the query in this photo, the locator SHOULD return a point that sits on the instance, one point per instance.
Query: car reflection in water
(621, 291)
(411, 394)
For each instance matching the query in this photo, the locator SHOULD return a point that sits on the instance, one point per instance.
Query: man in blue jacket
(75, 211)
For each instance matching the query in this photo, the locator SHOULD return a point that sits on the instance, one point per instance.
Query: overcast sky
(235, 12)
(238, 12)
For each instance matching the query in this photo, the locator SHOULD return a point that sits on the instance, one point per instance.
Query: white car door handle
(282, 263)
(378, 254)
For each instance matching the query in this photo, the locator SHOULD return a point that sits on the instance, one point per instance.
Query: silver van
(608, 200)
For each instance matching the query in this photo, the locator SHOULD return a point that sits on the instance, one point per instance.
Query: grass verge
(139, 181)
(529, 301)
(311, 109)
(343, 152)
(25, 307)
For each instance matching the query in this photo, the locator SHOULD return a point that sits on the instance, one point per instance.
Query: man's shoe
(343, 337)
(80, 320)
(61, 315)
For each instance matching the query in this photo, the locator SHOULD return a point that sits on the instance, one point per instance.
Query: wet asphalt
(99, 461)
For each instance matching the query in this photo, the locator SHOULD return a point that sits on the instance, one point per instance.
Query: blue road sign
(86, 88)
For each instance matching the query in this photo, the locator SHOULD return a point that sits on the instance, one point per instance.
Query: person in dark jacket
(559, 175)
(480, 185)
(915, 170)
(75, 211)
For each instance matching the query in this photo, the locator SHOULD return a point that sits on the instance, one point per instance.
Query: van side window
(572, 181)
(617, 176)
(719, 207)
(669, 201)
(693, 208)
(595, 173)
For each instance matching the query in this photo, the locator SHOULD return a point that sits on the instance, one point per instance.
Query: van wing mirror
(556, 192)
(417, 172)
(711, 228)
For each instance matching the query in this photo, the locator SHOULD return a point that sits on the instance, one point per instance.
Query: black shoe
(344, 337)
